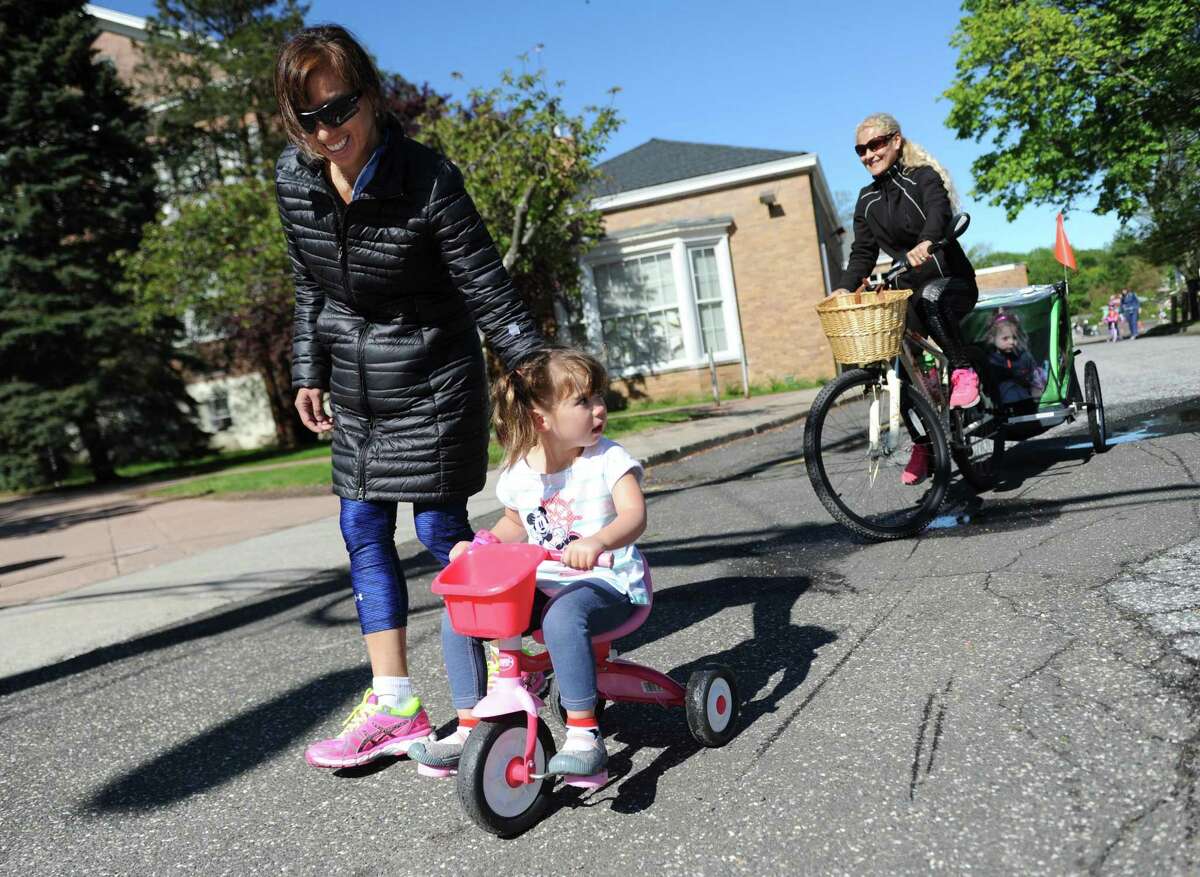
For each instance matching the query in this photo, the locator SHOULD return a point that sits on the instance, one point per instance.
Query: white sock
(582, 738)
(392, 691)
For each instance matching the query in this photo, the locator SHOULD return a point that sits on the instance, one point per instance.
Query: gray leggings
(580, 611)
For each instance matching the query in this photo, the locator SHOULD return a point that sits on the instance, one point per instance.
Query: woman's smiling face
(876, 161)
(349, 145)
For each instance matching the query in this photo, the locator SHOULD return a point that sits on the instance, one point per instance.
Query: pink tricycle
(502, 779)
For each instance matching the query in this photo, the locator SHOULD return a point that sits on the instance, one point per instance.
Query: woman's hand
(459, 549)
(919, 254)
(583, 553)
(310, 404)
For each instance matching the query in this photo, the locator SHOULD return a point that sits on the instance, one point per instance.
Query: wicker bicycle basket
(864, 327)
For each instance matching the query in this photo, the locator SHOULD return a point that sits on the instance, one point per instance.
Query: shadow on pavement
(770, 664)
(14, 526)
(28, 564)
(215, 623)
(224, 752)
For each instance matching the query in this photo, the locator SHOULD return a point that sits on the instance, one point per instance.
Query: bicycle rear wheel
(861, 486)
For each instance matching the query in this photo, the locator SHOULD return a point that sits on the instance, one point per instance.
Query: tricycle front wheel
(486, 788)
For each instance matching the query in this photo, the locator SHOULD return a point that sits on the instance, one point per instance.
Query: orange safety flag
(1062, 247)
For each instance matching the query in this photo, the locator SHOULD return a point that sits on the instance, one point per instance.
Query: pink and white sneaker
(964, 388)
(372, 731)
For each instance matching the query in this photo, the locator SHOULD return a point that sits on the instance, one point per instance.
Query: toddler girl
(564, 486)
(1113, 320)
(1019, 379)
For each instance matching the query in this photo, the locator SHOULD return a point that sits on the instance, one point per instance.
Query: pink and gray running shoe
(372, 731)
(964, 388)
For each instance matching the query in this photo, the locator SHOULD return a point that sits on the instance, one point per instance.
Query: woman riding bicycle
(905, 210)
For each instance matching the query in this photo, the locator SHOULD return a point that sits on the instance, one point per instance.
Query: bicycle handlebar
(960, 223)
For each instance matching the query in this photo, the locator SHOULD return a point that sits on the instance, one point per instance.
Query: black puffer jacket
(390, 290)
(899, 209)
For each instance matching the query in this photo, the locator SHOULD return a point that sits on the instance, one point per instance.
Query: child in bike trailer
(1019, 379)
(564, 486)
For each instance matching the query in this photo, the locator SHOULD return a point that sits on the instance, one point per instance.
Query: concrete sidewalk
(99, 570)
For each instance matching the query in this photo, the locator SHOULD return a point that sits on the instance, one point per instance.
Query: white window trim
(679, 241)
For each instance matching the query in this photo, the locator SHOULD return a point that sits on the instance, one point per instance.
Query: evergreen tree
(77, 184)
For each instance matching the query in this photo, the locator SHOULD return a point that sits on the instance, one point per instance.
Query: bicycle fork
(882, 444)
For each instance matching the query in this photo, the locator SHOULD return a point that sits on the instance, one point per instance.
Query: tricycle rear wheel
(493, 803)
(712, 706)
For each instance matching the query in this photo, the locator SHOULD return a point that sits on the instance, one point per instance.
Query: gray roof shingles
(665, 161)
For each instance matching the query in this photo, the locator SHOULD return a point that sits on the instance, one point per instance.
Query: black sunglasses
(334, 113)
(874, 144)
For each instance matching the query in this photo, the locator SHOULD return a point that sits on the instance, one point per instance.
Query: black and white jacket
(899, 209)
(391, 291)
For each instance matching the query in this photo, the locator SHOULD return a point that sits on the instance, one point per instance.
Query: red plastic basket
(489, 589)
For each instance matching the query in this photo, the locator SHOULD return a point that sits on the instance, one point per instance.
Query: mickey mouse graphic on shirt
(552, 523)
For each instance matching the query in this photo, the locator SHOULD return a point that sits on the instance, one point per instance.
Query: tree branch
(519, 214)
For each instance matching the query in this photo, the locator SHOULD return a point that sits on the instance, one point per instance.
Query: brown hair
(541, 381)
(327, 45)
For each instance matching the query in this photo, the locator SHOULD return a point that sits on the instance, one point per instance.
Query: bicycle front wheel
(857, 475)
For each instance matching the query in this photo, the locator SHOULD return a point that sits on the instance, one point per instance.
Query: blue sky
(765, 73)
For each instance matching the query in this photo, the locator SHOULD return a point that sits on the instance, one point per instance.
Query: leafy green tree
(76, 185)
(530, 167)
(1101, 272)
(221, 264)
(1084, 97)
(1078, 96)
(209, 69)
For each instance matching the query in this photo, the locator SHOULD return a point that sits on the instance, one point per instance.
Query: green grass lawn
(228, 475)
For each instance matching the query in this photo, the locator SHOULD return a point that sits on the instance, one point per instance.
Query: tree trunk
(97, 449)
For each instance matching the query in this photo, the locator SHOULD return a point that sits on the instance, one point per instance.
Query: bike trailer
(1045, 319)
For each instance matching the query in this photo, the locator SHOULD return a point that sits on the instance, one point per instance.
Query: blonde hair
(912, 154)
(541, 381)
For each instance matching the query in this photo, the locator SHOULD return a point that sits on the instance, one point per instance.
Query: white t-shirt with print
(559, 508)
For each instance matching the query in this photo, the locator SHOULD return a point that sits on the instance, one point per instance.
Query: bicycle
(862, 426)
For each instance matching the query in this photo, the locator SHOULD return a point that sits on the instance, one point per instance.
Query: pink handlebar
(605, 558)
(487, 537)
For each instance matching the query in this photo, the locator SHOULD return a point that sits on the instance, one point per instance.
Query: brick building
(711, 250)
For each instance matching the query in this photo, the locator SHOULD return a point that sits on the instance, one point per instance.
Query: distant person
(1112, 319)
(394, 272)
(1131, 305)
(908, 207)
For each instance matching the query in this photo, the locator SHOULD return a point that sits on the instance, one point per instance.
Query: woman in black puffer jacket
(395, 275)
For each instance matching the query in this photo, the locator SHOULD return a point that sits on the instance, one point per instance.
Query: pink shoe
(372, 731)
(964, 388)
(917, 469)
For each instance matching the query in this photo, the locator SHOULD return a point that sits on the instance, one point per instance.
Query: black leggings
(938, 309)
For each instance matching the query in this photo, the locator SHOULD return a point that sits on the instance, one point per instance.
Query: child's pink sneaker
(372, 731)
(964, 388)
(917, 469)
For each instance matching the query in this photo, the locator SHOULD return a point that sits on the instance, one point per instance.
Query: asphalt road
(1010, 695)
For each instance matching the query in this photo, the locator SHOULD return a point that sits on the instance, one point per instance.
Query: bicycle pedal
(436, 772)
